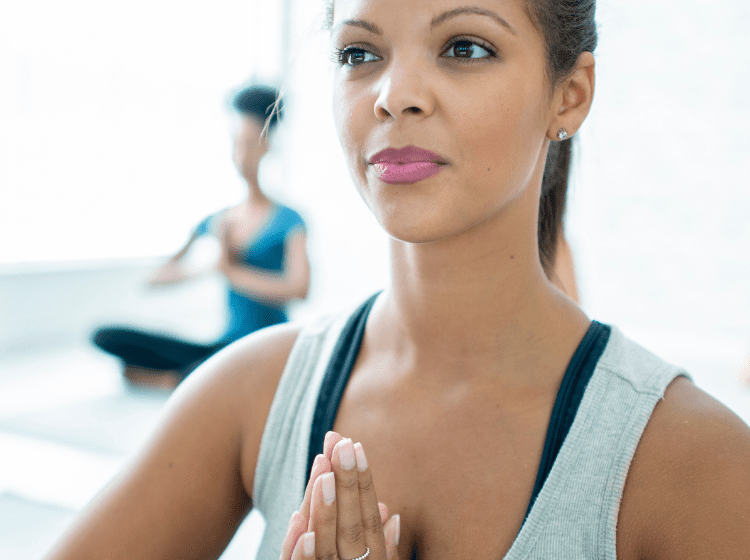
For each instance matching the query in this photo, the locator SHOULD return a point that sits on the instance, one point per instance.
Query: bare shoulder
(239, 383)
(187, 491)
(687, 494)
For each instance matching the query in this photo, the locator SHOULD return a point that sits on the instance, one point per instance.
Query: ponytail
(552, 202)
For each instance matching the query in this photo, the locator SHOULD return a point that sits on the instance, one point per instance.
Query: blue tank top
(265, 252)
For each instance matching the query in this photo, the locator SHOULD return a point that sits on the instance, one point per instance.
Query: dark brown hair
(569, 29)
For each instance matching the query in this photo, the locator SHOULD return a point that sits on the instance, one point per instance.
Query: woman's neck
(256, 199)
(481, 295)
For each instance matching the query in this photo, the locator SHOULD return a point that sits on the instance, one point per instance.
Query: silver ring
(365, 555)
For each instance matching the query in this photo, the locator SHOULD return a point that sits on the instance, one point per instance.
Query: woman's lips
(394, 173)
(406, 165)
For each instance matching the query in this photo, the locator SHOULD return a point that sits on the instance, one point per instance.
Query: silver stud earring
(562, 134)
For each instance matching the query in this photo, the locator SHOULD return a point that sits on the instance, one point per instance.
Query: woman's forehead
(345, 8)
(425, 13)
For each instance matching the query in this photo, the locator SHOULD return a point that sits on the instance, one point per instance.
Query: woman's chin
(417, 229)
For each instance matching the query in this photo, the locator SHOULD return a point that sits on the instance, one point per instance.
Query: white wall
(115, 137)
(661, 198)
(43, 306)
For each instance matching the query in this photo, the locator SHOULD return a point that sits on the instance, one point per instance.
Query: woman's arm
(186, 493)
(292, 283)
(172, 271)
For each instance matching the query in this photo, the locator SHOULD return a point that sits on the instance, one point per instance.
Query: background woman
(490, 414)
(263, 257)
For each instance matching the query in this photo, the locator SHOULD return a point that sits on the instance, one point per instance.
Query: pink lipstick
(406, 165)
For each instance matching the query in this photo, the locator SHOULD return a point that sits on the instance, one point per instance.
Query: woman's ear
(572, 99)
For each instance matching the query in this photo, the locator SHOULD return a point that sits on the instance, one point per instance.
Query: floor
(68, 423)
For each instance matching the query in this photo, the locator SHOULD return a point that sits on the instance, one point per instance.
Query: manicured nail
(346, 454)
(361, 459)
(396, 528)
(329, 488)
(308, 544)
(315, 464)
(294, 517)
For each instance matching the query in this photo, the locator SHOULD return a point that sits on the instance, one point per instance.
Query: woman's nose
(404, 90)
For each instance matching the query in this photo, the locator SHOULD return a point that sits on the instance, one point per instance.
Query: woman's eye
(466, 49)
(353, 56)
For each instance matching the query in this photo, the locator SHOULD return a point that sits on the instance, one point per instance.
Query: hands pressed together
(340, 517)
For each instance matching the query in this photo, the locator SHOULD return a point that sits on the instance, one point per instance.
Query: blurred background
(115, 140)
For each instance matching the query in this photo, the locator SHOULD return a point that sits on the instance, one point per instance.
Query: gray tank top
(574, 514)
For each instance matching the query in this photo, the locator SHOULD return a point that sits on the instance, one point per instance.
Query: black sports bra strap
(568, 399)
(564, 411)
(335, 379)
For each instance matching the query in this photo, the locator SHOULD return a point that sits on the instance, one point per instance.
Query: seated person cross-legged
(263, 259)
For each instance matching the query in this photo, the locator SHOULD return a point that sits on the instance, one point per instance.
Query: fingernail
(329, 488)
(397, 528)
(383, 512)
(346, 454)
(308, 544)
(315, 464)
(361, 459)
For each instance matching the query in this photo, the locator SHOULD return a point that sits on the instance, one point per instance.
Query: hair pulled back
(569, 29)
(261, 102)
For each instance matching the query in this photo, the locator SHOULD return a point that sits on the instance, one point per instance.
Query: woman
(264, 260)
(490, 414)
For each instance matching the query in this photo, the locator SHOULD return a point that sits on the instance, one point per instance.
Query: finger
(392, 531)
(383, 512)
(350, 534)
(321, 465)
(369, 508)
(330, 441)
(297, 527)
(305, 547)
(323, 516)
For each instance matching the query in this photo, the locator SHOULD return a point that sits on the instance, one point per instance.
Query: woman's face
(249, 146)
(466, 83)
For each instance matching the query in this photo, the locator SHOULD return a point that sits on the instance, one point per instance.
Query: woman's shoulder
(240, 382)
(253, 363)
(212, 223)
(247, 374)
(644, 371)
(288, 217)
(688, 488)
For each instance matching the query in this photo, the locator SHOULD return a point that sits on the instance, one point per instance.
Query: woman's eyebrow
(436, 21)
(442, 18)
(371, 27)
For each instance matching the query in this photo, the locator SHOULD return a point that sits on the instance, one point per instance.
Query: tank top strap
(574, 516)
(569, 396)
(336, 377)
